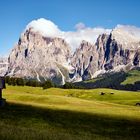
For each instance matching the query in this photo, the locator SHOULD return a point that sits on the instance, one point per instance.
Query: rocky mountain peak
(109, 53)
(45, 53)
(126, 35)
(3, 65)
(39, 57)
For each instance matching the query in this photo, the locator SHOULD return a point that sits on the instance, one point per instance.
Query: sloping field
(56, 114)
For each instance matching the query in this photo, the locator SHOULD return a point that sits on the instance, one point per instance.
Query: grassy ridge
(120, 80)
(25, 93)
(133, 77)
(56, 114)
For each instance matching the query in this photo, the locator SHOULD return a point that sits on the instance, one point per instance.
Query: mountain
(120, 50)
(3, 65)
(129, 80)
(39, 57)
(45, 52)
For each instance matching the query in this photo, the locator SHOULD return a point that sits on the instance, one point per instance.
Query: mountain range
(3, 65)
(44, 52)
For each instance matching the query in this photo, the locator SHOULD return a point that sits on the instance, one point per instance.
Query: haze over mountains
(45, 52)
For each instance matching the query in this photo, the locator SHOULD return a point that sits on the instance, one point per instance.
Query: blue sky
(16, 14)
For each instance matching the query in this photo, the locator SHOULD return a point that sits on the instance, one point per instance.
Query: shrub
(47, 84)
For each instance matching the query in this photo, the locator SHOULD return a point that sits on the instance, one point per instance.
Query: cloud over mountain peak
(73, 38)
(46, 27)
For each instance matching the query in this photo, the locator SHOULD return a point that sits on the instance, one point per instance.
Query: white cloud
(87, 34)
(132, 30)
(73, 38)
(46, 27)
(80, 26)
(126, 34)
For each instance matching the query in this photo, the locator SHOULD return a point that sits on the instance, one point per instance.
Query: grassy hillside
(133, 76)
(56, 114)
(120, 80)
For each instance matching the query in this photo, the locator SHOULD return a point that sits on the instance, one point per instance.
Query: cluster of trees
(110, 81)
(107, 81)
(131, 87)
(14, 81)
(68, 85)
(48, 84)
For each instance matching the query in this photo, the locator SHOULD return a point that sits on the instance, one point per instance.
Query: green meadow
(69, 114)
(134, 76)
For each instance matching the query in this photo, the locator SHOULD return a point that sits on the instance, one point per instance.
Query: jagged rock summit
(39, 57)
(45, 52)
(117, 51)
(3, 65)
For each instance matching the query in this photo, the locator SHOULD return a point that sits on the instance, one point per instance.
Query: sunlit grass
(133, 77)
(72, 114)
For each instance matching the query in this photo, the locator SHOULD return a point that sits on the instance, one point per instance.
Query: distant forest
(112, 81)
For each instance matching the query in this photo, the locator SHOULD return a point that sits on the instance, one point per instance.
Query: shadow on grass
(30, 122)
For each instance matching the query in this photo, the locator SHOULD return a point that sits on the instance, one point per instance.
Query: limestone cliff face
(85, 61)
(108, 54)
(39, 57)
(3, 66)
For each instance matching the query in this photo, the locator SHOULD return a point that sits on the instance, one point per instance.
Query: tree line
(107, 81)
(14, 81)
